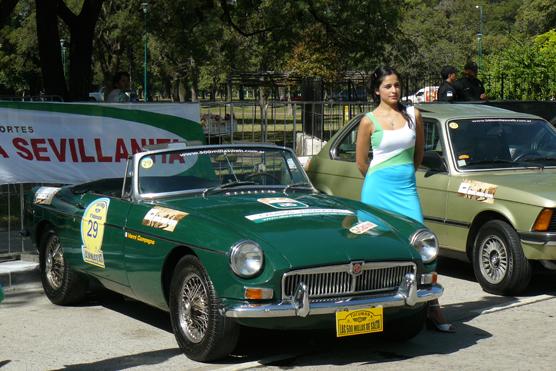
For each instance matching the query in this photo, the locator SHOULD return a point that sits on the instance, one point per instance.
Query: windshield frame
(526, 165)
(137, 195)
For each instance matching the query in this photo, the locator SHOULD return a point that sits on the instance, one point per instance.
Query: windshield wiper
(237, 183)
(509, 162)
(546, 158)
(299, 185)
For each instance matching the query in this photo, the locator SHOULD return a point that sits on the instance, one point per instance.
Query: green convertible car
(487, 187)
(231, 236)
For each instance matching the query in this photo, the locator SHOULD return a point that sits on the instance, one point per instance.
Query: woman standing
(396, 135)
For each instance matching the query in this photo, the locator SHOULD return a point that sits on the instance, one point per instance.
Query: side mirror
(434, 162)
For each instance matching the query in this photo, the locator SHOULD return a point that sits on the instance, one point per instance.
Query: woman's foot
(436, 320)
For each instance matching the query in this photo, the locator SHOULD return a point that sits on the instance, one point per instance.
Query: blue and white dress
(390, 180)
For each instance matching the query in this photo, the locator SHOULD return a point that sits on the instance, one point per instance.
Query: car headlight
(246, 258)
(426, 244)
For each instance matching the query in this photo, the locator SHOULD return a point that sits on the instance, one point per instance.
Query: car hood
(307, 229)
(531, 187)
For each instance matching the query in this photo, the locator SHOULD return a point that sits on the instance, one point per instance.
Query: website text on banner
(73, 143)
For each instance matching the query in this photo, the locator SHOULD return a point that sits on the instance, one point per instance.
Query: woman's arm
(362, 145)
(419, 139)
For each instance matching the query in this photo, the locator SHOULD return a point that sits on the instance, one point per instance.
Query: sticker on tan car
(295, 213)
(44, 195)
(282, 203)
(478, 191)
(92, 231)
(163, 218)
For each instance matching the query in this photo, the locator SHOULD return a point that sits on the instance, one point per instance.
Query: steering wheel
(526, 154)
(263, 174)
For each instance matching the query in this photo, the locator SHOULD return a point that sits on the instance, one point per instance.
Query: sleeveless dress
(390, 181)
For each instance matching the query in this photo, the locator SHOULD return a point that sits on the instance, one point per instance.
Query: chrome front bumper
(300, 306)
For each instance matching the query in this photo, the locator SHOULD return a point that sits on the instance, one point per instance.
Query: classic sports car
(487, 187)
(223, 236)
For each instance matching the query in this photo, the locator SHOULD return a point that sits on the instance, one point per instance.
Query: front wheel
(498, 260)
(61, 284)
(201, 331)
(406, 328)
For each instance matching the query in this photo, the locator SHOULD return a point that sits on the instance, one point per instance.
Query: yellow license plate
(359, 321)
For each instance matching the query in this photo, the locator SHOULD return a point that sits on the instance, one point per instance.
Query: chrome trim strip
(291, 309)
(447, 221)
(539, 238)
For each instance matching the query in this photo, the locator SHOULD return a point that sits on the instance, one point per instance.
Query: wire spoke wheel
(54, 264)
(494, 259)
(194, 308)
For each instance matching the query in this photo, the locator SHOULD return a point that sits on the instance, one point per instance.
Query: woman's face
(389, 90)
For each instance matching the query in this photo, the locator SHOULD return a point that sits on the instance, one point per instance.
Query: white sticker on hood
(283, 214)
(478, 191)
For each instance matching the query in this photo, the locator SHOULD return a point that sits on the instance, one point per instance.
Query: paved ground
(112, 333)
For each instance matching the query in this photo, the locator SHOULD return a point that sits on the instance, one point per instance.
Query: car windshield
(480, 144)
(219, 168)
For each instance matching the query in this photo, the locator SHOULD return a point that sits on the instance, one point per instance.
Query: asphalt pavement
(109, 332)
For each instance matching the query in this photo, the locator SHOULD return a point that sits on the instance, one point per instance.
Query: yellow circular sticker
(453, 125)
(147, 163)
(92, 231)
(463, 157)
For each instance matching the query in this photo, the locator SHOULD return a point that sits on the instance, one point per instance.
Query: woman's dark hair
(377, 78)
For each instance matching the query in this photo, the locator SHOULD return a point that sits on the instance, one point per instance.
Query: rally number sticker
(92, 231)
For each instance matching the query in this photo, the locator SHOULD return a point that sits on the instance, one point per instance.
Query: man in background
(469, 87)
(447, 91)
(120, 88)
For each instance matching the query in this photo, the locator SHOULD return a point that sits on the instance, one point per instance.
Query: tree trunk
(49, 48)
(82, 28)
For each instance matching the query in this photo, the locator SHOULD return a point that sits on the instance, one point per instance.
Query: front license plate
(359, 321)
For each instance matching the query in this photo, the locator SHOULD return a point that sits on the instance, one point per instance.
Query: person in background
(469, 87)
(447, 91)
(120, 88)
(396, 134)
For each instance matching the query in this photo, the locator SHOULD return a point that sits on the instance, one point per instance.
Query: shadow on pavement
(125, 362)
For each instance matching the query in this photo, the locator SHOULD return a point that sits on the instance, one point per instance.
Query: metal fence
(11, 219)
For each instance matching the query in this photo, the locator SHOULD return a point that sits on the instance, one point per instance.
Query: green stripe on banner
(187, 129)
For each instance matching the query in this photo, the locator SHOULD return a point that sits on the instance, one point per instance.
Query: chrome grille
(338, 280)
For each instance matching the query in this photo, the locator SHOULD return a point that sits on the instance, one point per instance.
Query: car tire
(499, 264)
(406, 328)
(61, 284)
(201, 331)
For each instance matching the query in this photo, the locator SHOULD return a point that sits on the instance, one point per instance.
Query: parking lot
(112, 333)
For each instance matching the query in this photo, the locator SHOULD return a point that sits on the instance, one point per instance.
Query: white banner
(74, 143)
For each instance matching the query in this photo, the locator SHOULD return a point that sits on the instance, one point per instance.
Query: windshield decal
(92, 231)
(499, 120)
(163, 218)
(44, 195)
(283, 214)
(478, 191)
(282, 203)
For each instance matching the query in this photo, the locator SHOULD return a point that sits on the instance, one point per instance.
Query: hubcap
(193, 308)
(54, 264)
(494, 259)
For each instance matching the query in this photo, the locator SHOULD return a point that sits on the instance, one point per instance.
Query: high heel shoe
(433, 324)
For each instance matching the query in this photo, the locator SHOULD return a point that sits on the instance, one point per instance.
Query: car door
(336, 173)
(432, 184)
(102, 234)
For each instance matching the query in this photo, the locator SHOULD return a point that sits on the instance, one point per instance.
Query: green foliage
(19, 61)
(527, 67)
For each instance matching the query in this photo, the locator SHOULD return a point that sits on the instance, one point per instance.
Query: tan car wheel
(498, 260)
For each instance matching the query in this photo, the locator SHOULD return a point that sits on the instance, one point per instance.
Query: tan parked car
(487, 187)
